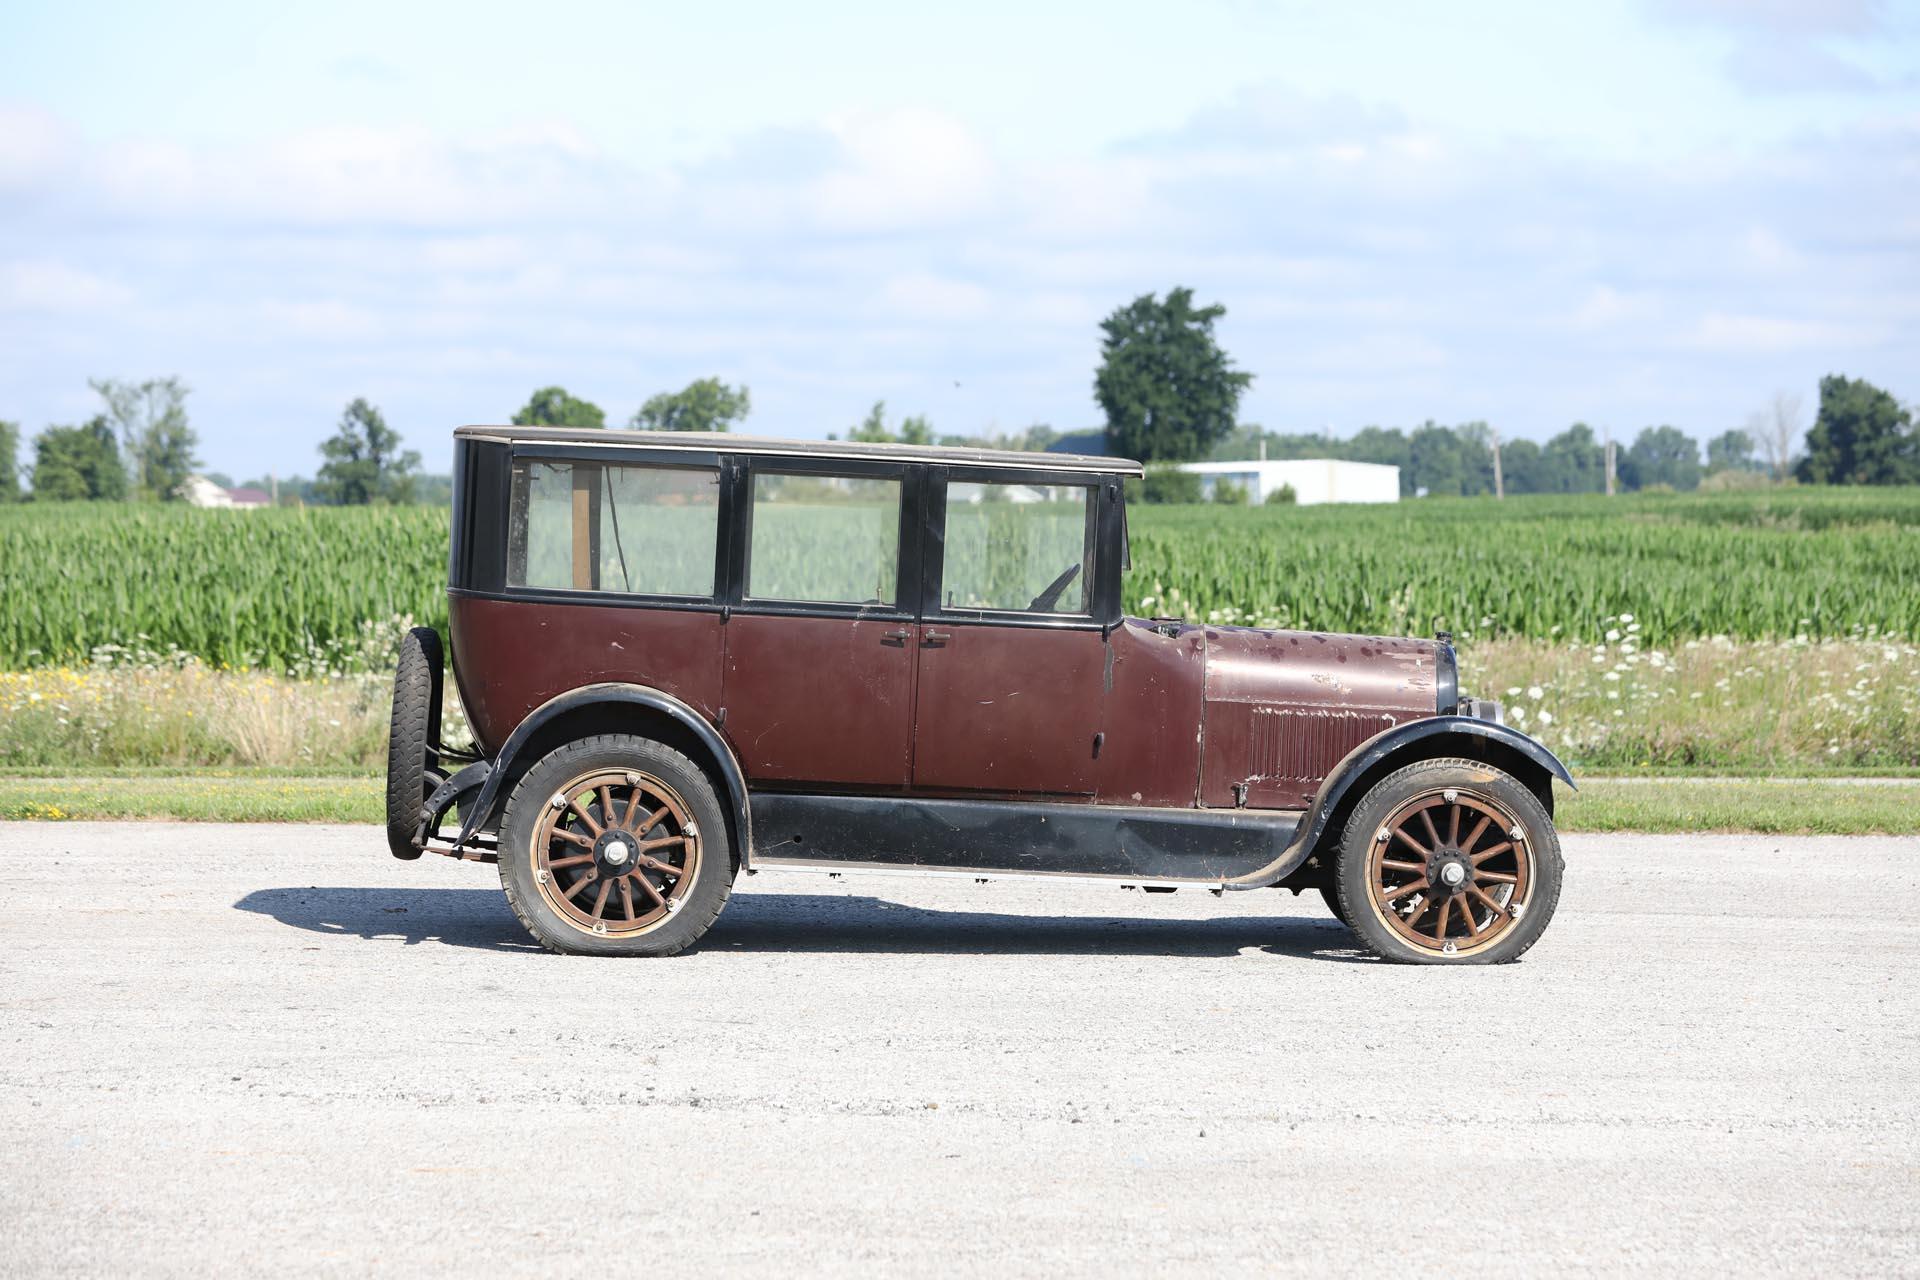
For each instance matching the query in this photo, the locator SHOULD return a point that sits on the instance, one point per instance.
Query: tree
(1034, 439)
(1776, 430)
(9, 462)
(1169, 484)
(1168, 390)
(1730, 451)
(1450, 461)
(151, 418)
(1661, 456)
(706, 404)
(1574, 462)
(1860, 436)
(553, 407)
(1524, 466)
(874, 430)
(75, 464)
(363, 461)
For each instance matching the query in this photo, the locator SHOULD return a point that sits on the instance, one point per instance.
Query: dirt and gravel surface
(229, 1049)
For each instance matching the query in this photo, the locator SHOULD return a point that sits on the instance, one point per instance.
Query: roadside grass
(212, 796)
(1611, 706)
(1771, 806)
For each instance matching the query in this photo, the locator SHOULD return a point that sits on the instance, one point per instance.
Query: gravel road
(228, 1049)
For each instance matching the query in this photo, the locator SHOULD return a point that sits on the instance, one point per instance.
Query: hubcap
(615, 852)
(1450, 871)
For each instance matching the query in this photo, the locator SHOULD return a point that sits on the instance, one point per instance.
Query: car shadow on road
(807, 922)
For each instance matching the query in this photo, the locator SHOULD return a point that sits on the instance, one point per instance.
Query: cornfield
(286, 590)
(303, 590)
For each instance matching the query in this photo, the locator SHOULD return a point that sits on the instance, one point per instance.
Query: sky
(1629, 213)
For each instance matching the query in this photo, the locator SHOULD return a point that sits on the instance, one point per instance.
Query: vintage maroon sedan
(687, 656)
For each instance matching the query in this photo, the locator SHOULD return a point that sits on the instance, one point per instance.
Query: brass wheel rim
(1450, 871)
(615, 852)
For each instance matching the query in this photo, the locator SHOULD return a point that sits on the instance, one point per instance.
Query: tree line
(1168, 393)
(1171, 394)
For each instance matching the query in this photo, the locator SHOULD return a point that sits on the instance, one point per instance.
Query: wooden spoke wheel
(1451, 870)
(615, 852)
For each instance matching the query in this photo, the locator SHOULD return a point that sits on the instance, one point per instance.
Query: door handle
(935, 639)
(896, 637)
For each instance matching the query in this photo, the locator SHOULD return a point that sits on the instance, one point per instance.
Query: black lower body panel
(1019, 838)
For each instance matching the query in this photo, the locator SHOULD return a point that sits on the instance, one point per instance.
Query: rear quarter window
(587, 526)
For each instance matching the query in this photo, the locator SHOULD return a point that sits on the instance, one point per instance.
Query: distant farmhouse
(1311, 479)
(199, 491)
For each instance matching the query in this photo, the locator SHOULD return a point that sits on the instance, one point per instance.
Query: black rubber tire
(414, 726)
(1330, 895)
(713, 881)
(1350, 872)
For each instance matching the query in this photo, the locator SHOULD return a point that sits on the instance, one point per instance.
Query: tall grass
(1820, 563)
(298, 591)
(287, 590)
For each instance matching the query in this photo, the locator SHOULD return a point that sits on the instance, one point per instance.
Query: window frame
(1103, 515)
(740, 472)
(575, 455)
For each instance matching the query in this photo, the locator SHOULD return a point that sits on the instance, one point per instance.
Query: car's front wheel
(615, 845)
(1449, 862)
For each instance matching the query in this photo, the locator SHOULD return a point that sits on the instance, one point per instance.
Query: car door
(819, 671)
(1011, 656)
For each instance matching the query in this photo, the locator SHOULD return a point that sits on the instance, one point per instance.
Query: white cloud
(55, 286)
(901, 169)
(1374, 270)
(1743, 333)
(32, 143)
(924, 295)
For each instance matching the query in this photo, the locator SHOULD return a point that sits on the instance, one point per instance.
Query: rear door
(819, 676)
(1011, 656)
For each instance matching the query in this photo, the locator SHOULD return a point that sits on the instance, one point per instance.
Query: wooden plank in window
(586, 527)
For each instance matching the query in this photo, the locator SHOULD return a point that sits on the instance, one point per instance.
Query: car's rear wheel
(616, 845)
(1330, 894)
(1449, 862)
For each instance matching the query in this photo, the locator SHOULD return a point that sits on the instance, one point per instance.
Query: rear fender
(612, 695)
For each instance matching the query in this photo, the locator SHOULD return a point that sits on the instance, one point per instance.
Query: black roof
(727, 442)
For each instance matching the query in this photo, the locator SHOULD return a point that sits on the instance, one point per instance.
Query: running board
(835, 870)
(1142, 846)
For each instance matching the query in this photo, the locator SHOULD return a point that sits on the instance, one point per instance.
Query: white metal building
(1313, 479)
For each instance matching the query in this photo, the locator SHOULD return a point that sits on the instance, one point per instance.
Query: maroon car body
(887, 694)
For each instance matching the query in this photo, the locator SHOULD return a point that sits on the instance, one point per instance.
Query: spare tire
(413, 733)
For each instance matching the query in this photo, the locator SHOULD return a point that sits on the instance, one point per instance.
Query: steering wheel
(1044, 602)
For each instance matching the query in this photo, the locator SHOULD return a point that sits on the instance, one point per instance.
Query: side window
(824, 539)
(586, 526)
(1018, 547)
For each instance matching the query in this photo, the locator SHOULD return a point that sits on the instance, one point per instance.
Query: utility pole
(1609, 437)
(1499, 481)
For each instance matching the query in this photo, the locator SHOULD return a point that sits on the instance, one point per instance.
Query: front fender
(1379, 749)
(600, 694)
